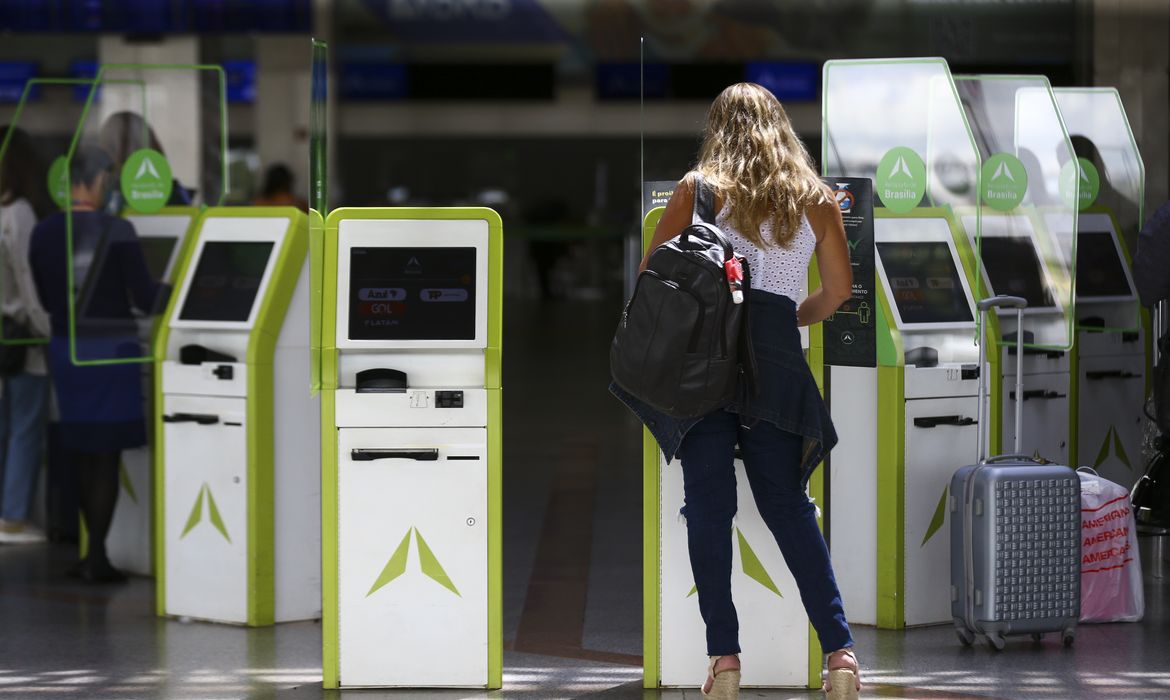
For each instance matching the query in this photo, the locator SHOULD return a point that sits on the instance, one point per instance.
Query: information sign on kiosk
(1026, 243)
(1110, 361)
(411, 449)
(238, 490)
(907, 424)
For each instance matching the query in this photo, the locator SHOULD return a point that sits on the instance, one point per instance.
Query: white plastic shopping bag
(1111, 571)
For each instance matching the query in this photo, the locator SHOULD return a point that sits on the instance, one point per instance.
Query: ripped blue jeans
(772, 460)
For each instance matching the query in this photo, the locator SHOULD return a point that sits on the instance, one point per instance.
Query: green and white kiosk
(237, 482)
(1110, 361)
(411, 448)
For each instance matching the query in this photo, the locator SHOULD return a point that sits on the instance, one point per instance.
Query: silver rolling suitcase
(1015, 533)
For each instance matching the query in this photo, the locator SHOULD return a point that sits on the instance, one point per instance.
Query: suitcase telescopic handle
(1001, 301)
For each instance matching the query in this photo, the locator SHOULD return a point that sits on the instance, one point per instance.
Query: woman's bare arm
(832, 261)
(676, 217)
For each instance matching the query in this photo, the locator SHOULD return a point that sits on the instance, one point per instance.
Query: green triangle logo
(1103, 453)
(1112, 438)
(1119, 450)
(751, 565)
(127, 485)
(196, 515)
(428, 563)
(937, 520)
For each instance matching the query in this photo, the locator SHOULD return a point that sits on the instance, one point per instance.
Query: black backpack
(682, 343)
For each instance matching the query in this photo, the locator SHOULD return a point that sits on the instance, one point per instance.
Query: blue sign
(467, 21)
(26, 15)
(373, 81)
(13, 77)
(626, 81)
(292, 16)
(84, 69)
(786, 80)
(240, 77)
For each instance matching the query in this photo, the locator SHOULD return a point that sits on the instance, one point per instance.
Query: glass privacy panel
(1029, 187)
(1112, 212)
(900, 124)
(149, 136)
(318, 205)
(32, 155)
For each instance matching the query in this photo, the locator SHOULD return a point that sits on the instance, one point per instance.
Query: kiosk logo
(752, 567)
(937, 520)
(127, 485)
(59, 181)
(146, 180)
(901, 179)
(427, 561)
(1112, 438)
(213, 515)
(1004, 181)
(1079, 178)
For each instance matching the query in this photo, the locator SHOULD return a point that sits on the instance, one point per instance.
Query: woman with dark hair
(278, 189)
(100, 405)
(24, 199)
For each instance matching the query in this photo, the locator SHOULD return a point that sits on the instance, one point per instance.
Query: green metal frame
(260, 409)
(331, 651)
(226, 179)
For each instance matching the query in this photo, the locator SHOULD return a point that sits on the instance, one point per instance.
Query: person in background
(100, 405)
(1151, 263)
(278, 189)
(122, 134)
(24, 199)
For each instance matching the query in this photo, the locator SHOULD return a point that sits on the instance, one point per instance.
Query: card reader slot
(1046, 394)
(197, 418)
(462, 458)
(418, 455)
(935, 421)
(1111, 374)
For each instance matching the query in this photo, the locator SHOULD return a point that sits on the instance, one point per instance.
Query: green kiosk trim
(445, 575)
(227, 549)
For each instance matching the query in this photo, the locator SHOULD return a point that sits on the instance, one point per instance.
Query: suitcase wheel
(966, 636)
(995, 641)
(1068, 637)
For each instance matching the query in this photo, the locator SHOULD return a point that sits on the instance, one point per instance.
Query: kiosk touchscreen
(165, 239)
(1012, 264)
(411, 448)
(779, 649)
(924, 394)
(237, 468)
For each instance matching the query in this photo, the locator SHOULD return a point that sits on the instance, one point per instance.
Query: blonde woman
(776, 212)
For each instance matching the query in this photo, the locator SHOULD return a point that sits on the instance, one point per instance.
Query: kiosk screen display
(226, 280)
(1014, 268)
(1100, 272)
(925, 282)
(157, 250)
(412, 294)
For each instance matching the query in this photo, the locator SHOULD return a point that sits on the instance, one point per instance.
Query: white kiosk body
(130, 542)
(411, 449)
(239, 493)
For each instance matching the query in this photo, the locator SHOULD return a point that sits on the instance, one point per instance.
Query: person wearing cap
(100, 406)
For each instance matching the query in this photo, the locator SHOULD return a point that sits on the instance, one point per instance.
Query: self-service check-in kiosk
(411, 449)
(1110, 360)
(237, 480)
(165, 238)
(906, 421)
(780, 648)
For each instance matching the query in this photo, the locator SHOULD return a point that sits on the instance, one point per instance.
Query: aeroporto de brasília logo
(427, 562)
(751, 565)
(901, 179)
(1004, 182)
(146, 180)
(1080, 178)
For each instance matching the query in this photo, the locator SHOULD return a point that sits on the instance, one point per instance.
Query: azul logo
(901, 179)
(1004, 182)
(146, 180)
(1112, 437)
(752, 567)
(427, 562)
(213, 515)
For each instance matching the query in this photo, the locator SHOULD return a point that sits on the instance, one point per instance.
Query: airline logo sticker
(1112, 438)
(427, 562)
(1004, 182)
(1079, 178)
(59, 181)
(146, 180)
(901, 179)
(213, 515)
(752, 567)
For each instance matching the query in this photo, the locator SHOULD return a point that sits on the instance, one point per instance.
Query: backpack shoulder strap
(704, 211)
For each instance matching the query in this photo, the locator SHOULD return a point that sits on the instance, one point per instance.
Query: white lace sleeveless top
(775, 269)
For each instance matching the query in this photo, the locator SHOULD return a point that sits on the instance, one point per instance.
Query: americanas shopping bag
(1111, 571)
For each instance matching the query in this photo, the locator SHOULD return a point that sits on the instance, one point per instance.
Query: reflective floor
(572, 584)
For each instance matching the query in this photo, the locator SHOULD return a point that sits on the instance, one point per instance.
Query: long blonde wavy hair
(757, 166)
